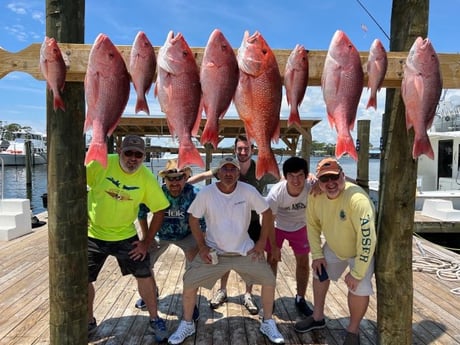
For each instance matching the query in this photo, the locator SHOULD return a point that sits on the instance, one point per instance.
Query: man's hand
(139, 251)
(351, 282)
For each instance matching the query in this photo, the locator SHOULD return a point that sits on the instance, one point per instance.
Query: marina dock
(24, 306)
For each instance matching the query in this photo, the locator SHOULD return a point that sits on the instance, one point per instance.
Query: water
(15, 178)
(14, 185)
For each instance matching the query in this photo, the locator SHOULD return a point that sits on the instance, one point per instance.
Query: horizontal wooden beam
(76, 55)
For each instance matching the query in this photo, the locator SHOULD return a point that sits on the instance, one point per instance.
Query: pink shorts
(298, 240)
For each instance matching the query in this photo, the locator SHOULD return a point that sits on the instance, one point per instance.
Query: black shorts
(99, 250)
(254, 230)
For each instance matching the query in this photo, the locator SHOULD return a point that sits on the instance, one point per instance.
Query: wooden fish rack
(76, 56)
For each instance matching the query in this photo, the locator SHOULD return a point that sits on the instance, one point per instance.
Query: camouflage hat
(133, 143)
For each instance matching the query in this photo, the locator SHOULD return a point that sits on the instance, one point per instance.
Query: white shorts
(336, 267)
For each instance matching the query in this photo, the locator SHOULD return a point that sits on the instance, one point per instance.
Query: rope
(433, 261)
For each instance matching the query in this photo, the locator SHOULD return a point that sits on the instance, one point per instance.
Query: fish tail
(422, 145)
(210, 134)
(294, 117)
(345, 145)
(97, 152)
(189, 155)
(58, 102)
(141, 105)
(372, 102)
(266, 164)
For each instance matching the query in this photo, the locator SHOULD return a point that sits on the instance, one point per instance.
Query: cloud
(17, 7)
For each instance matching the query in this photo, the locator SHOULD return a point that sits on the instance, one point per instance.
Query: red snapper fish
(53, 68)
(421, 89)
(219, 77)
(296, 81)
(107, 84)
(179, 93)
(258, 99)
(142, 65)
(377, 64)
(342, 85)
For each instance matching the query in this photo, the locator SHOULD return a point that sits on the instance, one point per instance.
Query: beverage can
(213, 256)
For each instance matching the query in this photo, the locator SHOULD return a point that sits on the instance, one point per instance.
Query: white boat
(15, 153)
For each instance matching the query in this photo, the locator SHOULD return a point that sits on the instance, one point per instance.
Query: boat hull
(12, 159)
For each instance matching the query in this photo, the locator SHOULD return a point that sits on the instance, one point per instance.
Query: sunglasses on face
(136, 154)
(175, 178)
(327, 178)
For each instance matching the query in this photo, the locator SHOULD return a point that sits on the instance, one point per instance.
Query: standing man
(243, 152)
(114, 196)
(288, 201)
(226, 206)
(175, 228)
(345, 215)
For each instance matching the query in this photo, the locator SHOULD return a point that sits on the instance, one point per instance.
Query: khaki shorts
(336, 267)
(253, 271)
(158, 247)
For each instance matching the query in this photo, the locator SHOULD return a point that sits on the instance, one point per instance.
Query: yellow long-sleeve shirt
(348, 225)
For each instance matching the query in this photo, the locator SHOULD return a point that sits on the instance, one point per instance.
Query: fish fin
(345, 145)
(266, 164)
(276, 133)
(196, 125)
(58, 102)
(294, 117)
(421, 146)
(189, 155)
(141, 105)
(372, 102)
(210, 133)
(97, 152)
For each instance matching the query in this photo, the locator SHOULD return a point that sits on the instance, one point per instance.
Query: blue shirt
(175, 225)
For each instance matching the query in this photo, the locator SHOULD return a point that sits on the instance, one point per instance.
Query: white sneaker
(268, 327)
(184, 330)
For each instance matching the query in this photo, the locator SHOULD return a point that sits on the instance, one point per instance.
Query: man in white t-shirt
(288, 202)
(226, 207)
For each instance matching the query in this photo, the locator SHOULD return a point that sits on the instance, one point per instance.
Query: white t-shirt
(228, 216)
(290, 211)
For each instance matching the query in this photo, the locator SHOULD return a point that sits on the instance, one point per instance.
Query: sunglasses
(136, 154)
(174, 178)
(327, 178)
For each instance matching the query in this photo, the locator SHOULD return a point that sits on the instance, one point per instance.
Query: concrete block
(440, 209)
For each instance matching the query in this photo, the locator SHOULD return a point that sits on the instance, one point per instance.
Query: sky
(282, 23)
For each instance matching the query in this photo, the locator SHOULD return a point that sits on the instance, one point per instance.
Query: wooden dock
(24, 304)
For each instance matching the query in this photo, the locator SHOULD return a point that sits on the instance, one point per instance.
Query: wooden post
(362, 174)
(67, 212)
(398, 176)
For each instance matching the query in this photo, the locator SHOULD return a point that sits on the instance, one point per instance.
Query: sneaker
(196, 313)
(250, 305)
(184, 330)
(92, 325)
(302, 307)
(219, 298)
(351, 339)
(268, 328)
(159, 328)
(309, 324)
(140, 304)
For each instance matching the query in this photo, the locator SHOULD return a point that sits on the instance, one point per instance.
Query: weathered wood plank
(76, 56)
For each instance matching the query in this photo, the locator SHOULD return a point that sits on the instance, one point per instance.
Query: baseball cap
(229, 160)
(328, 166)
(172, 170)
(134, 143)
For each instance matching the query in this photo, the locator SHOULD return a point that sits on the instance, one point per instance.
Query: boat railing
(3, 178)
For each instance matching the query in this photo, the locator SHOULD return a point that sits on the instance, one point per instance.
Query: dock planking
(24, 305)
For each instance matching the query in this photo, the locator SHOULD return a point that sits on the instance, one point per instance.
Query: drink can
(213, 256)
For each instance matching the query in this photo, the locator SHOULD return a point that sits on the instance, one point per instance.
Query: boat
(15, 153)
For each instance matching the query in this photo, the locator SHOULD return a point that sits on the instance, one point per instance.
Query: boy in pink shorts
(288, 201)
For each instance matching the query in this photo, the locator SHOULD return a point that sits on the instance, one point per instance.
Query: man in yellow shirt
(345, 215)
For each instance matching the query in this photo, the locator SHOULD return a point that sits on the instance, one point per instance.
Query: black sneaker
(196, 313)
(309, 324)
(140, 304)
(92, 325)
(303, 307)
